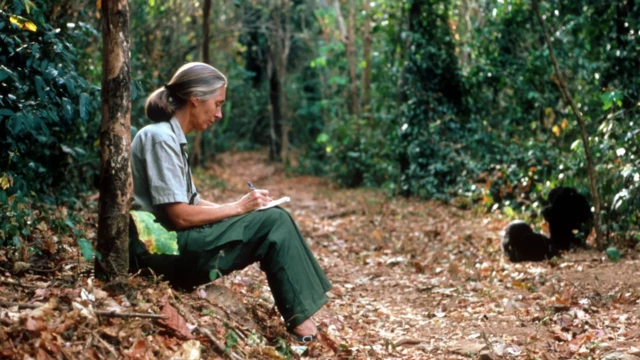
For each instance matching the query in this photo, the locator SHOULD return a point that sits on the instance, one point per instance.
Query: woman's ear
(194, 101)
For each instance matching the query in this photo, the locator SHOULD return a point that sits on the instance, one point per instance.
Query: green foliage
(156, 239)
(47, 112)
(613, 254)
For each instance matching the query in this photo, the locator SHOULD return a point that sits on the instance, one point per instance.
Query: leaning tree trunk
(583, 128)
(115, 143)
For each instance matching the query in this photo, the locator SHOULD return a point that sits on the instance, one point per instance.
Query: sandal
(306, 339)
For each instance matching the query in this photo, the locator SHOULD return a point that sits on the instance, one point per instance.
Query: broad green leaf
(4, 73)
(613, 254)
(155, 238)
(6, 112)
(87, 250)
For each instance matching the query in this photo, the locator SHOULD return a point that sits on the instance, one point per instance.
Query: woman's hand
(254, 200)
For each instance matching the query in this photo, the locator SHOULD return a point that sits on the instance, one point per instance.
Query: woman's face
(206, 112)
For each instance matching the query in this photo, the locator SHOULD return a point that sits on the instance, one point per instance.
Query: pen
(250, 186)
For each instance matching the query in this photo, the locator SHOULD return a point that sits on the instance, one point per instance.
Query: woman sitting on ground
(216, 238)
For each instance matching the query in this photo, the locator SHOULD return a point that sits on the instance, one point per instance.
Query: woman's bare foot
(306, 328)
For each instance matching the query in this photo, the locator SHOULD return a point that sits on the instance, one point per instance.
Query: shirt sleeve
(167, 181)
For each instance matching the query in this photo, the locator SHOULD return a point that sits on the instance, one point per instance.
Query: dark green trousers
(269, 237)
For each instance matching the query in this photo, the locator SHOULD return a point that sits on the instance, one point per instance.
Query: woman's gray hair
(194, 79)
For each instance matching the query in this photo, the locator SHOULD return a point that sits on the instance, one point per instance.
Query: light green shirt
(160, 168)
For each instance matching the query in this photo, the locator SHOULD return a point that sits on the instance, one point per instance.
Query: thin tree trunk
(196, 154)
(274, 109)
(279, 47)
(583, 128)
(282, 75)
(115, 143)
(366, 76)
(351, 57)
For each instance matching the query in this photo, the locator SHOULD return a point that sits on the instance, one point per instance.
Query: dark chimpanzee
(568, 213)
(520, 243)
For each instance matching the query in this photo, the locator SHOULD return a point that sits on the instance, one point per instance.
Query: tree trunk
(274, 107)
(351, 57)
(279, 47)
(366, 76)
(583, 128)
(115, 143)
(196, 155)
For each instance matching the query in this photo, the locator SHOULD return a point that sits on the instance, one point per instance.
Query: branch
(340, 19)
(583, 129)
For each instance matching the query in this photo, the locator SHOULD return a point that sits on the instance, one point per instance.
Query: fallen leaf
(175, 322)
(190, 351)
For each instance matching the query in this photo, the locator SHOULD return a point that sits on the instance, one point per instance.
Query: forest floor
(412, 280)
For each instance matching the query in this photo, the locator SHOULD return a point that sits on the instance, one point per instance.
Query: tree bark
(274, 110)
(196, 154)
(583, 128)
(351, 57)
(279, 47)
(366, 76)
(115, 143)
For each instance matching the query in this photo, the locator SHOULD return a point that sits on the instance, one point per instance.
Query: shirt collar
(177, 129)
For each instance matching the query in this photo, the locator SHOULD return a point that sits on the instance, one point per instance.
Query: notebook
(280, 201)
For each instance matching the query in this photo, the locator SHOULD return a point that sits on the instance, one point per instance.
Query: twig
(106, 344)
(106, 313)
(221, 347)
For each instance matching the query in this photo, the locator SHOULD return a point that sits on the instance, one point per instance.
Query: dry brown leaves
(412, 279)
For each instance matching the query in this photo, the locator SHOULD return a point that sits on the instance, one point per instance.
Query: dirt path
(420, 280)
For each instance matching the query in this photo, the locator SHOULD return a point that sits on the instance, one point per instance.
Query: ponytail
(192, 79)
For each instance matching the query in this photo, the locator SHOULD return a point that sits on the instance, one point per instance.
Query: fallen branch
(129, 315)
(106, 313)
(219, 345)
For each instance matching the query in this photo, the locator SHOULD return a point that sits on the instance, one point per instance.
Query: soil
(421, 279)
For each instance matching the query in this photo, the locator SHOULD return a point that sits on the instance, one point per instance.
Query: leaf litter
(412, 279)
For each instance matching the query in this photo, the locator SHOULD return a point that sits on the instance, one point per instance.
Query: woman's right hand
(254, 200)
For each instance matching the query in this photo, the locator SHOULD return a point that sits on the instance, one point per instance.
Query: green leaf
(87, 250)
(40, 87)
(613, 254)
(85, 102)
(322, 138)
(69, 223)
(4, 73)
(154, 236)
(214, 274)
(6, 112)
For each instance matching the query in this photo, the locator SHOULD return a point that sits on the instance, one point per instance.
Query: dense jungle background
(452, 101)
